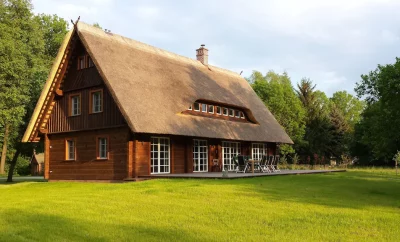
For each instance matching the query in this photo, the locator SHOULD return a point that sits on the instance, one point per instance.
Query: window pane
(225, 111)
(237, 114)
(218, 110)
(231, 112)
(196, 106)
(204, 107)
(210, 108)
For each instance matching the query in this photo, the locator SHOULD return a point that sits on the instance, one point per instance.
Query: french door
(229, 150)
(200, 155)
(160, 155)
(258, 151)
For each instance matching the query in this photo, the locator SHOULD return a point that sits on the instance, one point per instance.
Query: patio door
(258, 151)
(229, 150)
(200, 155)
(160, 155)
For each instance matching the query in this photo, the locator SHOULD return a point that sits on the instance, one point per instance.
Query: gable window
(196, 106)
(211, 108)
(231, 112)
(81, 62)
(225, 112)
(219, 111)
(204, 108)
(75, 105)
(96, 101)
(70, 149)
(237, 114)
(102, 148)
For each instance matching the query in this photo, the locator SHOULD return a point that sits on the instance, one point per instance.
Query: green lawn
(349, 206)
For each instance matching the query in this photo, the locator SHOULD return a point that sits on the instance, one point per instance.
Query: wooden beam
(44, 131)
(130, 159)
(59, 92)
(46, 157)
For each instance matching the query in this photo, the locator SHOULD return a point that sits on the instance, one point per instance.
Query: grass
(358, 205)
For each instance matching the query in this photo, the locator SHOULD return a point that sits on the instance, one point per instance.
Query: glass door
(200, 156)
(229, 150)
(160, 155)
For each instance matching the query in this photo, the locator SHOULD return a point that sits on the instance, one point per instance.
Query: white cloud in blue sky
(331, 42)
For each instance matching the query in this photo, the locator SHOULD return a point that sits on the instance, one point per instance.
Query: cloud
(331, 42)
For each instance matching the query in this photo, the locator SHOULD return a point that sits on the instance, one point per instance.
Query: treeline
(342, 127)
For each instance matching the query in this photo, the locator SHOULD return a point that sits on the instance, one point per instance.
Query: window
(200, 155)
(204, 108)
(70, 149)
(196, 106)
(90, 62)
(96, 101)
(81, 62)
(102, 148)
(258, 151)
(75, 105)
(159, 155)
(190, 107)
(242, 115)
(229, 150)
(237, 114)
(231, 112)
(219, 110)
(211, 108)
(225, 112)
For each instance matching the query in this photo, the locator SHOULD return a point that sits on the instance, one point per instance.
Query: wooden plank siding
(86, 166)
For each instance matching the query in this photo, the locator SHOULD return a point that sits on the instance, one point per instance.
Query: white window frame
(194, 107)
(208, 108)
(237, 113)
(230, 149)
(102, 148)
(75, 110)
(100, 101)
(233, 112)
(156, 149)
(204, 108)
(70, 144)
(200, 155)
(220, 110)
(227, 111)
(258, 150)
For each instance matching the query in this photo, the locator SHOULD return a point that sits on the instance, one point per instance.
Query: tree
(20, 45)
(378, 127)
(350, 107)
(277, 92)
(29, 44)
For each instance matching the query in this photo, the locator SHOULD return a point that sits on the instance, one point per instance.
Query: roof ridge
(82, 26)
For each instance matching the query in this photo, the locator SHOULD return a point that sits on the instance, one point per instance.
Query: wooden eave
(45, 105)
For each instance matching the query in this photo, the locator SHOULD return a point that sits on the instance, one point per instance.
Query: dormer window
(210, 108)
(237, 113)
(225, 112)
(219, 111)
(204, 108)
(231, 112)
(197, 107)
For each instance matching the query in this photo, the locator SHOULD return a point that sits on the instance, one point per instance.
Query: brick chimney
(202, 54)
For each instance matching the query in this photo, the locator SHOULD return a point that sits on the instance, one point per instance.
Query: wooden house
(37, 164)
(114, 108)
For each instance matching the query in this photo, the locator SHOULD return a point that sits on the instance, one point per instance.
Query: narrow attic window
(197, 107)
(81, 62)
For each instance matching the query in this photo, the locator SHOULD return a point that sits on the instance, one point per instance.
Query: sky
(330, 42)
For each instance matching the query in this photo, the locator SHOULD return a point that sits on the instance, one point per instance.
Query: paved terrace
(233, 175)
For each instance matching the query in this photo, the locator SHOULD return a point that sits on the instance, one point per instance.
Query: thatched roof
(152, 87)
